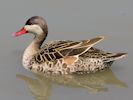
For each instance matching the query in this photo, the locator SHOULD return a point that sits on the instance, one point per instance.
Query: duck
(62, 56)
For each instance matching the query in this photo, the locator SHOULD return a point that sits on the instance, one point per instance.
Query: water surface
(74, 20)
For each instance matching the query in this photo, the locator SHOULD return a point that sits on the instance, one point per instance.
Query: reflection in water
(41, 86)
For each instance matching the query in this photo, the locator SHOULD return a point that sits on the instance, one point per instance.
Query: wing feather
(59, 49)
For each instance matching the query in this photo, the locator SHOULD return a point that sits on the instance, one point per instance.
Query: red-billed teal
(62, 56)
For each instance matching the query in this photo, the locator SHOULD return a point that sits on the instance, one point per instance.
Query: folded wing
(61, 49)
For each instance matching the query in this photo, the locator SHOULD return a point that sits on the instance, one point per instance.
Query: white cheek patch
(34, 29)
(27, 27)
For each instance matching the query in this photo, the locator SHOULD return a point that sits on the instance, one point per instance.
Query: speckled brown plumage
(63, 56)
(90, 61)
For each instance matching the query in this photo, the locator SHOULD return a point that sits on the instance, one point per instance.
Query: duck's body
(63, 57)
(46, 61)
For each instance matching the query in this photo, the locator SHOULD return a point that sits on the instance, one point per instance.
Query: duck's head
(36, 25)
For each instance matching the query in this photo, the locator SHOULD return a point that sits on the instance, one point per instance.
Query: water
(67, 19)
(41, 87)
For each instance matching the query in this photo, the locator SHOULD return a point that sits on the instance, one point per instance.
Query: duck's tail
(115, 56)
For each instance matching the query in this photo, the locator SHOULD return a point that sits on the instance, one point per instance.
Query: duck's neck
(34, 46)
